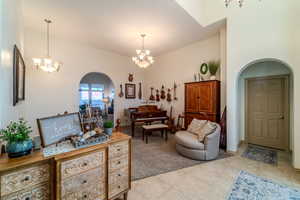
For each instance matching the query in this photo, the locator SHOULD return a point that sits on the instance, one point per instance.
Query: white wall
(52, 93)
(258, 30)
(180, 66)
(11, 33)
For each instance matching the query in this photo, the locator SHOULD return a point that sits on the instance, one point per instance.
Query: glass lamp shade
(47, 64)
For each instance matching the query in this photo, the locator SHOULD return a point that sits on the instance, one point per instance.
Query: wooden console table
(97, 172)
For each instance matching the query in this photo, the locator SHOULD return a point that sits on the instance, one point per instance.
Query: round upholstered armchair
(188, 144)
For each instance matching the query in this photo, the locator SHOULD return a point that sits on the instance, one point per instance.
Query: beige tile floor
(212, 180)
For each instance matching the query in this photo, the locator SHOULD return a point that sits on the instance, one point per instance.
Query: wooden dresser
(98, 172)
(202, 101)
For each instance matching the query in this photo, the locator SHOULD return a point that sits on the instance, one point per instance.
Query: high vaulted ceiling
(115, 25)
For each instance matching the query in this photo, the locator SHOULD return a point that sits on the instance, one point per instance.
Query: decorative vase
(18, 149)
(213, 77)
(108, 131)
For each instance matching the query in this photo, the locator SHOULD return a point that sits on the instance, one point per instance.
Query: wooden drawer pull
(119, 162)
(85, 196)
(119, 186)
(84, 182)
(119, 175)
(119, 149)
(85, 164)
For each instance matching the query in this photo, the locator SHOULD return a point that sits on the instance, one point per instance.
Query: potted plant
(213, 67)
(108, 127)
(17, 137)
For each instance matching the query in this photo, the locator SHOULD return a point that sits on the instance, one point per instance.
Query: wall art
(130, 91)
(19, 69)
(162, 92)
(121, 94)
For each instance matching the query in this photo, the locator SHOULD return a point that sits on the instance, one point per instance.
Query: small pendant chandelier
(143, 58)
(47, 64)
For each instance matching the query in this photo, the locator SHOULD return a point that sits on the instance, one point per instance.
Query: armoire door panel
(192, 98)
(205, 99)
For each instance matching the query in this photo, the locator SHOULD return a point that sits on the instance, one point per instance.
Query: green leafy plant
(213, 67)
(108, 124)
(16, 132)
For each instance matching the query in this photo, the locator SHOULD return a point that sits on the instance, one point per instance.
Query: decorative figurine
(169, 96)
(162, 93)
(140, 91)
(121, 94)
(157, 95)
(130, 77)
(152, 97)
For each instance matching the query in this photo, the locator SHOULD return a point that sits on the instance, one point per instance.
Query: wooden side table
(148, 129)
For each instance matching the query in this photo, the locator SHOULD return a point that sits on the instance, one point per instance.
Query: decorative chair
(188, 144)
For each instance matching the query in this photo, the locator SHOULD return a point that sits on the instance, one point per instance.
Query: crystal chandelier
(47, 64)
(143, 58)
(240, 2)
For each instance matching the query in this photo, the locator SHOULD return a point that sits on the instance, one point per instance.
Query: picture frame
(130, 92)
(57, 128)
(19, 71)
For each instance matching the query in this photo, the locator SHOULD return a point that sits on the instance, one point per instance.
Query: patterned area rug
(262, 154)
(250, 187)
(158, 156)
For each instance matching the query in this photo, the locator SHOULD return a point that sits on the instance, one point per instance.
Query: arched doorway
(265, 104)
(96, 98)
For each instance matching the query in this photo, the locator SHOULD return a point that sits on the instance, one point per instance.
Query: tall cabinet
(202, 101)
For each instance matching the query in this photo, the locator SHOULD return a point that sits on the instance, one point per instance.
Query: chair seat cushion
(188, 140)
(154, 126)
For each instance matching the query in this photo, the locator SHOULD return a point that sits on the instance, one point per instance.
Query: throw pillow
(209, 128)
(196, 126)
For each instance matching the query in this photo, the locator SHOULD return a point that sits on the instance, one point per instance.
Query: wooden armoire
(202, 101)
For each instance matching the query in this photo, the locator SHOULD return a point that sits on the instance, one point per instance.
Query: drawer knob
(119, 174)
(84, 182)
(27, 198)
(26, 179)
(119, 187)
(85, 196)
(119, 162)
(119, 149)
(85, 164)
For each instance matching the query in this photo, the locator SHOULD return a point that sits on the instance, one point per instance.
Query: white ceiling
(115, 25)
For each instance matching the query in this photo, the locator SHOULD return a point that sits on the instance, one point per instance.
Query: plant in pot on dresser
(17, 137)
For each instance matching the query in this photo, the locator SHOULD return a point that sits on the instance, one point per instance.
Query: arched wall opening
(257, 69)
(97, 96)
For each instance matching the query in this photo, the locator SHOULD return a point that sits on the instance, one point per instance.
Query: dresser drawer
(89, 193)
(120, 175)
(117, 163)
(118, 149)
(25, 178)
(117, 187)
(39, 192)
(92, 179)
(81, 164)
